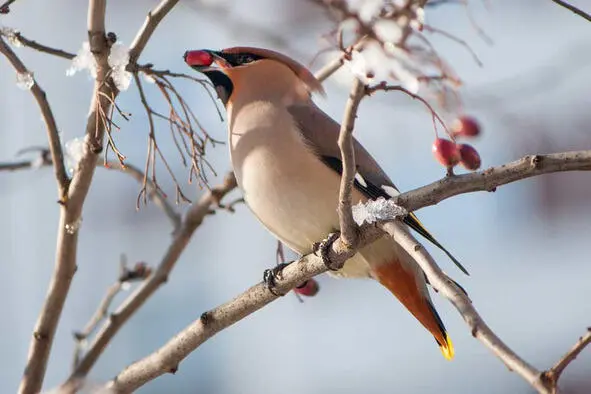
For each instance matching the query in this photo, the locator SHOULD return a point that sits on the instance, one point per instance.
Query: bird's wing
(321, 133)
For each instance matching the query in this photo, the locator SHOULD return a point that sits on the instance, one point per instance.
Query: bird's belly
(295, 196)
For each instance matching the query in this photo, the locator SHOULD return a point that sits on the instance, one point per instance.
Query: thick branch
(55, 146)
(167, 358)
(192, 220)
(347, 224)
(490, 179)
(71, 210)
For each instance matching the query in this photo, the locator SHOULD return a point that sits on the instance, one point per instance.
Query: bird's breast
(285, 184)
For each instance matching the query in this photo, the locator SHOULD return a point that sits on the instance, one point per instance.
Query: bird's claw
(324, 249)
(270, 277)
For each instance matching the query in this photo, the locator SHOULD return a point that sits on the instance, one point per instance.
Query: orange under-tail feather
(403, 284)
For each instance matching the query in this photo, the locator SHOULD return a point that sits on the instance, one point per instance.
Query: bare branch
(55, 146)
(480, 330)
(552, 375)
(192, 220)
(104, 95)
(347, 224)
(42, 48)
(71, 209)
(154, 17)
(138, 272)
(573, 9)
(167, 358)
(389, 88)
(152, 191)
(5, 8)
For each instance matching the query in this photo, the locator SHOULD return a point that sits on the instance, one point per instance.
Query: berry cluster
(449, 153)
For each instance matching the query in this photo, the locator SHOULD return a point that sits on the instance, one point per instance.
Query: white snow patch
(11, 35)
(376, 210)
(25, 80)
(74, 152)
(118, 60)
(387, 30)
(84, 59)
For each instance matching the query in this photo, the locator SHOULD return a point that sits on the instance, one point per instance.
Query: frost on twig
(376, 210)
(25, 80)
(118, 60)
(84, 60)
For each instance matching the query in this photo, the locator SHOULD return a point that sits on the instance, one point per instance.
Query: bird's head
(228, 67)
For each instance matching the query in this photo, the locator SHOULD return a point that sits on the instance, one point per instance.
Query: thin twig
(53, 137)
(573, 9)
(24, 41)
(167, 358)
(6, 6)
(128, 307)
(138, 272)
(389, 88)
(552, 375)
(152, 20)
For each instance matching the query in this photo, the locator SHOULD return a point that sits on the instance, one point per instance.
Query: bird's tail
(410, 289)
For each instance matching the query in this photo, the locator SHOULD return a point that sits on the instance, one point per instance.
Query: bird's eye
(245, 59)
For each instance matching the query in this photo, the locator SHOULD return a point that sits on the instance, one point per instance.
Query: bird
(287, 162)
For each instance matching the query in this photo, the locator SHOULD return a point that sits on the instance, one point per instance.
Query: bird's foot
(270, 277)
(324, 249)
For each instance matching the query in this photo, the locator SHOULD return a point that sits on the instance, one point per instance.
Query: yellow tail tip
(447, 349)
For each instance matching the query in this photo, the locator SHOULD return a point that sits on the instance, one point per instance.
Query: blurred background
(527, 245)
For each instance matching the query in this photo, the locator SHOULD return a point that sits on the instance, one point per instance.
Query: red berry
(4, 9)
(309, 288)
(446, 152)
(465, 126)
(470, 158)
(198, 58)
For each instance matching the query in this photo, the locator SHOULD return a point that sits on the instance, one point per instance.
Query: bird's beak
(203, 60)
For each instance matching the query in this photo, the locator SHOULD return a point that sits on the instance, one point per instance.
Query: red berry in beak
(309, 288)
(446, 152)
(198, 58)
(470, 158)
(465, 126)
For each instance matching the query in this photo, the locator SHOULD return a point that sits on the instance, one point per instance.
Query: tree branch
(192, 220)
(104, 94)
(140, 271)
(345, 141)
(55, 146)
(154, 17)
(573, 9)
(446, 287)
(167, 358)
(552, 375)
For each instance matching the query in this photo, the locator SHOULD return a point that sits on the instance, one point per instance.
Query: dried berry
(470, 158)
(309, 288)
(446, 152)
(465, 126)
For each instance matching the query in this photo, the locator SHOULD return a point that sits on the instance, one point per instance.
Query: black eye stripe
(237, 59)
